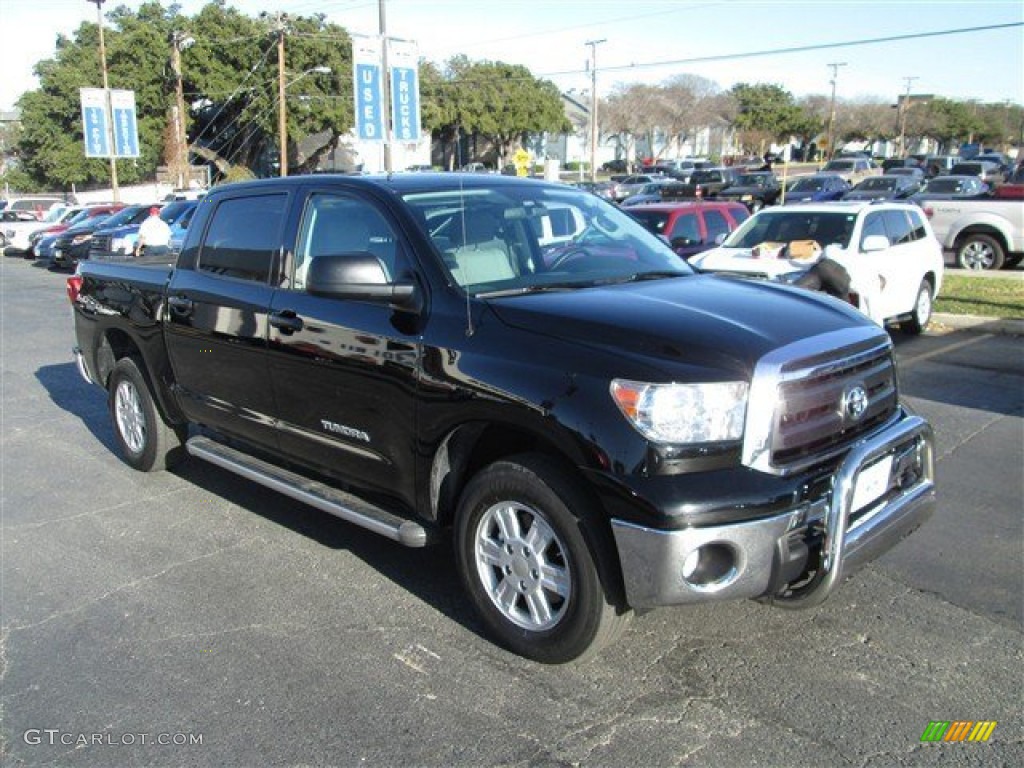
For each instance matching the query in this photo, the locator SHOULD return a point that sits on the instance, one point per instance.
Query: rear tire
(978, 252)
(922, 313)
(532, 562)
(147, 442)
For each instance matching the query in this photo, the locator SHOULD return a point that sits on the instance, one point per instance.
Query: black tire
(546, 603)
(922, 313)
(978, 252)
(147, 442)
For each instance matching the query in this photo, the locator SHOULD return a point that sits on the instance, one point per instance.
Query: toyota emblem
(855, 403)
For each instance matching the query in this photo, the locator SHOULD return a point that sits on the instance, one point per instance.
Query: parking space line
(906, 362)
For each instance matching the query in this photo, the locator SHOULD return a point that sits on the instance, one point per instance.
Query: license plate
(872, 483)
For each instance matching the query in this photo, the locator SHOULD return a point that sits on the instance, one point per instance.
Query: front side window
(716, 225)
(336, 225)
(686, 228)
(243, 237)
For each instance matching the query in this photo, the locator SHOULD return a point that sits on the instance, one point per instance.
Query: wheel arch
(116, 344)
(470, 447)
(990, 230)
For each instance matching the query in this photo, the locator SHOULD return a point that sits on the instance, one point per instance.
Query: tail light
(74, 287)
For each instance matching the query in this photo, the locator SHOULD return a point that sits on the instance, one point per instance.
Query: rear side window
(243, 237)
(686, 228)
(917, 225)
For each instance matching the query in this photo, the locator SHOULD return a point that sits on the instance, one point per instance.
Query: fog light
(710, 566)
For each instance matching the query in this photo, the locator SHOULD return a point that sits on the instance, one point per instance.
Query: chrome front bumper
(748, 554)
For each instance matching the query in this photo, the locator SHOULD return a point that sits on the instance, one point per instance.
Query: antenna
(462, 215)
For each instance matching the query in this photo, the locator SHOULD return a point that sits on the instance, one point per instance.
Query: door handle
(286, 321)
(180, 305)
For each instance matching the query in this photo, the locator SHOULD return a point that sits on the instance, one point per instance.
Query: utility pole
(903, 116)
(385, 83)
(179, 42)
(832, 109)
(282, 120)
(593, 105)
(106, 97)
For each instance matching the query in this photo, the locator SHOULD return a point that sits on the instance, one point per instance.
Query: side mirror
(360, 276)
(873, 243)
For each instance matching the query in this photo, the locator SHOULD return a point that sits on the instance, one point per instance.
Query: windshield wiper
(525, 289)
(637, 277)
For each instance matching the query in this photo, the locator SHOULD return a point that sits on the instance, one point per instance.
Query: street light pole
(180, 41)
(385, 83)
(106, 98)
(832, 108)
(593, 105)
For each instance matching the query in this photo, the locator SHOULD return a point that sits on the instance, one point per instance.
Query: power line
(794, 49)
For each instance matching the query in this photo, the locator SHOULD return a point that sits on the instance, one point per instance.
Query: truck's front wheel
(146, 441)
(529, 564)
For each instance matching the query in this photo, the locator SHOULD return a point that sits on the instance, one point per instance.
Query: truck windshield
(825, 228)
(510, 239)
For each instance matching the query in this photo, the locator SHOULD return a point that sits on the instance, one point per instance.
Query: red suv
(691, 227)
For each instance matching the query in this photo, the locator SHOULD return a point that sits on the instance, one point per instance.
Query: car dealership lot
(198, 607)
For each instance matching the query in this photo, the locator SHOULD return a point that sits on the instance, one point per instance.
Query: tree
(769, 113)
(495, 101)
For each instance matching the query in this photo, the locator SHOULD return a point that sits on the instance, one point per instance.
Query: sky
(644, 40)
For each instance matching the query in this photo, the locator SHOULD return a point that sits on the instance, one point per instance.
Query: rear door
(344, 372)
(217, 316)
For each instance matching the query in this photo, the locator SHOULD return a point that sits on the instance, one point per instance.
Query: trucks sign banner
(95, 126)
(405, 90)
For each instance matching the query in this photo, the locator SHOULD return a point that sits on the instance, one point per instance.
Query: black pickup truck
(524, 368)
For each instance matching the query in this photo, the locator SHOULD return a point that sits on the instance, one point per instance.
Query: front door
(345, 372)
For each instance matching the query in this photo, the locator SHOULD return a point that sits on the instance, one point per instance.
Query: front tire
(922, 313)
(532, 562)
(978, 252)
(147, 442)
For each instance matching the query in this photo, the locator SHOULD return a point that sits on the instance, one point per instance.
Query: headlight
(683, 413)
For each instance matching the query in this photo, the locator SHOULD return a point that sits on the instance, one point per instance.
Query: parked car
(914, 172)
(951, 188)
(816, 188)
(37, 205)
(52, 232)
(10, 221)
(119, 242)
(475, 168)
(889, 250)
(900, 162)
(17, 235)
(587, 428)
(884, 188)
(179, 227)
(73, 245)
(708, 183)
(939, 165)
(631, 185)
(603, 189)
(755, 189)
(615, 166)
(654, 192)
(983, 232)
(853, 169)
(691, 227)
(990, 173)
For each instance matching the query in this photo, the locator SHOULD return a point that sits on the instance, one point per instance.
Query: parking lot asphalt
(194, 608)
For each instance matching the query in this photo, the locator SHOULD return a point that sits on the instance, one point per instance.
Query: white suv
(888, 249)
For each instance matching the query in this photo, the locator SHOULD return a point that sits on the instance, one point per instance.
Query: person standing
(154, 235)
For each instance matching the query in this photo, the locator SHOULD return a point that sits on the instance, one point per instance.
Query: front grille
(806, 420)
(100, 245)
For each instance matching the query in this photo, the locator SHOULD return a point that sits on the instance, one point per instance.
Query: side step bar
(316, 494)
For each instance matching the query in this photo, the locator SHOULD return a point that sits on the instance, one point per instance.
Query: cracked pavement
(195, 602)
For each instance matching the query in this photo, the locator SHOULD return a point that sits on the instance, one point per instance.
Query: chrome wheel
(977, 255)
(923, 309)
(131, 421)
(523, 565)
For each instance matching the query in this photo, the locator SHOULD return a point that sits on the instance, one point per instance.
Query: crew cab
(595, 427)
(888, 249)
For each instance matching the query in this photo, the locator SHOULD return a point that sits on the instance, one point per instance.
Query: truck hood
(738, 191)
(702, 320)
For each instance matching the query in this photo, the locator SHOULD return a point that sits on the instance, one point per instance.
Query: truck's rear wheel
(979, 252)
(146, 441)
(530, 565)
